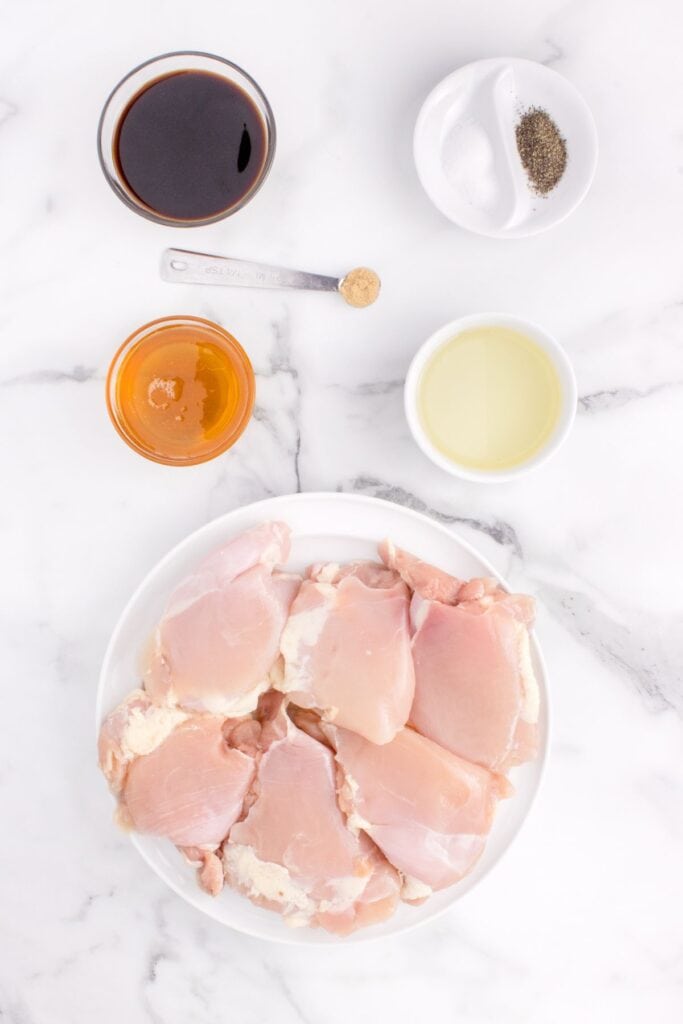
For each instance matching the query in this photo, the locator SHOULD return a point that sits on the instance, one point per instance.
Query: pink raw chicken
(219, 637)
(134, 728)
(251, 735)
(347, 648)
(428, 810)
(175, 775)
(475, 689)
(294, 853)
(192, 787)
(434, 584)
(428, 581)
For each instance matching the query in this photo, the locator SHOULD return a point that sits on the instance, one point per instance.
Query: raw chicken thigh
(134, 728)
(428, 581)
(220, 635)
(476, 693)
(192, 787)
(434, 584)
(475, 689)
(174, 773)
(428, 810)
(346, 648)
(294, 852)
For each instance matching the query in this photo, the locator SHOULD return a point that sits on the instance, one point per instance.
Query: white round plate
(494, 93)
(336, 527)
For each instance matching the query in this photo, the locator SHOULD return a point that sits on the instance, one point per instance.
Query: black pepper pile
(542, 150)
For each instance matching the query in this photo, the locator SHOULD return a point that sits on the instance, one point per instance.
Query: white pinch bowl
(494, 93)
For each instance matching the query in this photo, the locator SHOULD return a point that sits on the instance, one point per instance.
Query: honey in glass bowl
(180, 390)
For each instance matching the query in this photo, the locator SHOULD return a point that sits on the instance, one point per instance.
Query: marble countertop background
(583, 919)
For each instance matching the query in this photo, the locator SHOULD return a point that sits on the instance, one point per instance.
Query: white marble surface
(582, 921)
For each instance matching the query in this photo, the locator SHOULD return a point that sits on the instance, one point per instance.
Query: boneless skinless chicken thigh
(428, 810)
(220, 634)
(346, 648)
(331, 746)
(294, 852)
(475, 689)
(173, 772)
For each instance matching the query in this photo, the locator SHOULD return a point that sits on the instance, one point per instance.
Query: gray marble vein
(501, 532)
(372, 387)
(280, 362)
(78, 375)
(281, 984)
(7, 110)
(15, 1011)
(648, 664)
(556, 52)
(614, 398)
(87, 903)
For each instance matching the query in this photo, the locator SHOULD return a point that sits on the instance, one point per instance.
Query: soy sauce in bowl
(186, 139)
(191, 145)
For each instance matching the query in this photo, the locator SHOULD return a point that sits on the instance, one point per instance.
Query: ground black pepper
(542, 150)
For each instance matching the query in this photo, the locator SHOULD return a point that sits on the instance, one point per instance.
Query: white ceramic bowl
(547, 343)
(336, 527)
(493, 93)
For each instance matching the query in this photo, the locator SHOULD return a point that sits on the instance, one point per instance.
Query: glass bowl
(135, 82)
(142, 356)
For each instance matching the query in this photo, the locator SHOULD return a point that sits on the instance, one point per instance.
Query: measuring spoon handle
(185, 267)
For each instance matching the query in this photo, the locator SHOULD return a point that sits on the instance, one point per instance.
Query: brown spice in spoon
(542, 150)
(360, 287)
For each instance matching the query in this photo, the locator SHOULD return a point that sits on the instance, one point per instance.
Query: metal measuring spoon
(360, 287)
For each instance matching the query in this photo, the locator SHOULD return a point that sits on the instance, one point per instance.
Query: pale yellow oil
(490, 398)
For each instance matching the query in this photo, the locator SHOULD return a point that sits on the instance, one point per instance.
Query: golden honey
(180, 390)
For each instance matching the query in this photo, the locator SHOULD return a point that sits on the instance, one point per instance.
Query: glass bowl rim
(114, 180)
(118, 420)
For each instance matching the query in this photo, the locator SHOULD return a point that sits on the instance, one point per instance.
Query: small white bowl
(492, 94)
(560, 361)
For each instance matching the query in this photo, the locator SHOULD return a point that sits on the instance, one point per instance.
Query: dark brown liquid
(191, 145)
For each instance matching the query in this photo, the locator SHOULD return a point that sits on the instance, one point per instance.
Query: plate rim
(350, 497)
